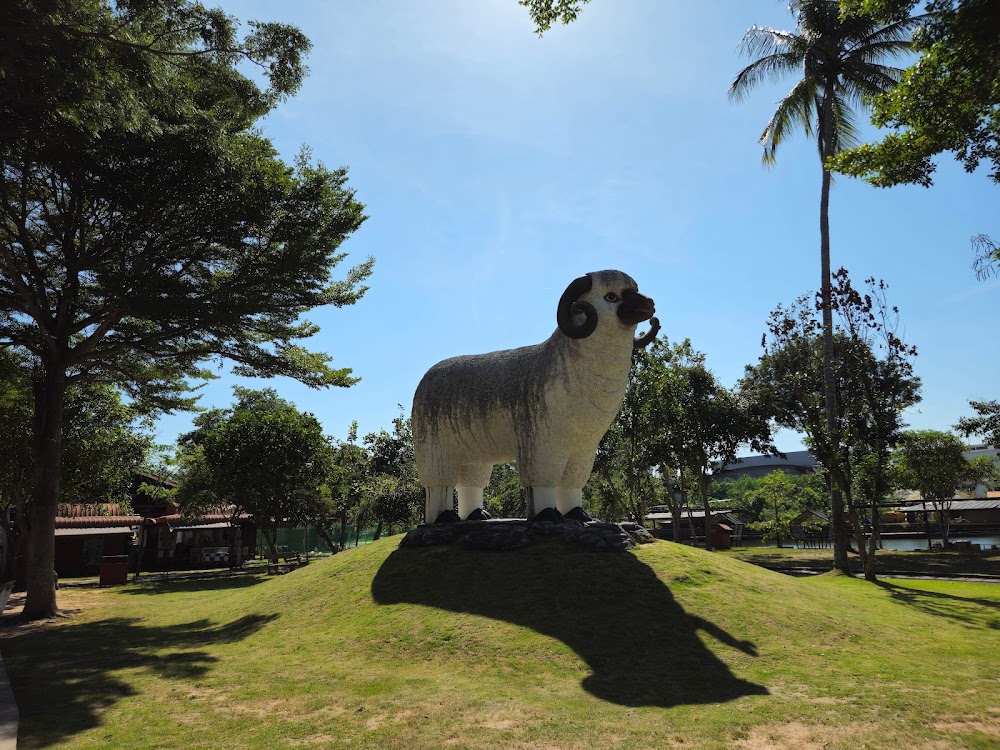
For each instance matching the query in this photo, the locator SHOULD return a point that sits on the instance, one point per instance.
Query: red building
(154, 536)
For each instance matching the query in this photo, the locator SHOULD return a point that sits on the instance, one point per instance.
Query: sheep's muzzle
(635, 308)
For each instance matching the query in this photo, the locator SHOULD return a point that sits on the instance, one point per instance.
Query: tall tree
(840, 61)
(263, 457)
(948, 101)
(146, 227)
(874, 385)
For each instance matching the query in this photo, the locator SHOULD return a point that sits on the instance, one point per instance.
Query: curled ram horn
(640, 342)
(569, 304)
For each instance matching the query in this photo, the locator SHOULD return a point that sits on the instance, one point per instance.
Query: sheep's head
(608, 293)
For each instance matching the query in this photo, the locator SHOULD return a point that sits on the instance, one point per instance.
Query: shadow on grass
(221, 583)
(65, 677)
(917, 562)
(611, 609)
(978, 613)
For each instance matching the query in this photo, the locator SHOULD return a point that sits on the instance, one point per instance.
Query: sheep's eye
(611, 297)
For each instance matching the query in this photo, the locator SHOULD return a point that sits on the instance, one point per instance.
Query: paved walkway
(8, 712)
(882, 574)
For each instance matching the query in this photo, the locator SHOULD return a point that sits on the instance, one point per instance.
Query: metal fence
(305, 539)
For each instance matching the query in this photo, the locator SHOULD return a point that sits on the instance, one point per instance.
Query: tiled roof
(955, 505)
(177, 519)
(101, 522)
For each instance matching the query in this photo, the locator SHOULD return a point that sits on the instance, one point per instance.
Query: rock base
(505, 534)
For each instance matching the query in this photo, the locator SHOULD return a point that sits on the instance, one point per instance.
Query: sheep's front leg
(469, 499)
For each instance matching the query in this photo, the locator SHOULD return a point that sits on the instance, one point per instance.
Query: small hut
(811, 529)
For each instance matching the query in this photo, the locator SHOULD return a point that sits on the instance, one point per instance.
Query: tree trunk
(859, 536)
(378, 531)
(50, 396)
(327, 537)
(927, 528)
(873, 542)
(675, 511)
(703, 488)
(271, 537)
(837, 514)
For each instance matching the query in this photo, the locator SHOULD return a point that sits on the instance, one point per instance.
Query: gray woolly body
(535, 404)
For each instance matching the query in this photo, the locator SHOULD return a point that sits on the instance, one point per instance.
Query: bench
(285, 562)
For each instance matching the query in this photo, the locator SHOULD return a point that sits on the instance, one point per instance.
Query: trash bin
(114, 570)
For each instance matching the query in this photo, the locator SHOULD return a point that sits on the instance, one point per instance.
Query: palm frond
(760, 41)
(838, 56)
(795, 110)
(846, 133)
(773, 68)
(877, 51)
(867, 80)
(899, 31)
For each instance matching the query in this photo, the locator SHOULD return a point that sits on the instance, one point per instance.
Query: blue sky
(496, 166)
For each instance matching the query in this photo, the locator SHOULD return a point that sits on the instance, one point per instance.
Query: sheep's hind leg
(470, 499)
(438, 500)
(568, 498)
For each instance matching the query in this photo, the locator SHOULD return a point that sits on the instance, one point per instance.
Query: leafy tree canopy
(105, 440)
(985, 423)
(146, 228)
(504, 497)
(745, 495)
(263, 457)
(544, 13)
(778, 501)
(932, 462)
(395, 494)
(949, 100)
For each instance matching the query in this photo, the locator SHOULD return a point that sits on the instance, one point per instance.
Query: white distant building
(794, 462)
(803, 462)
(982, 450)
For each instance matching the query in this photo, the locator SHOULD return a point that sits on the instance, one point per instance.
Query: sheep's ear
(570, 303)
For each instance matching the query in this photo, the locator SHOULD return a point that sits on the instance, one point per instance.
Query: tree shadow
(972, 611)
(225, 583)
(611, 609)
(64, 677)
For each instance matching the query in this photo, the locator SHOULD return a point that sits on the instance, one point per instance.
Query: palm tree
(839, 59)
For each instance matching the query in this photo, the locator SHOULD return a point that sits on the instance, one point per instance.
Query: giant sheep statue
(545, 406)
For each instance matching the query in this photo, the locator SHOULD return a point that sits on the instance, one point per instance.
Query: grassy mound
(542, 647)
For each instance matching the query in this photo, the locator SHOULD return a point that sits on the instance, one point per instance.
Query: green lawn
(545, 647)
